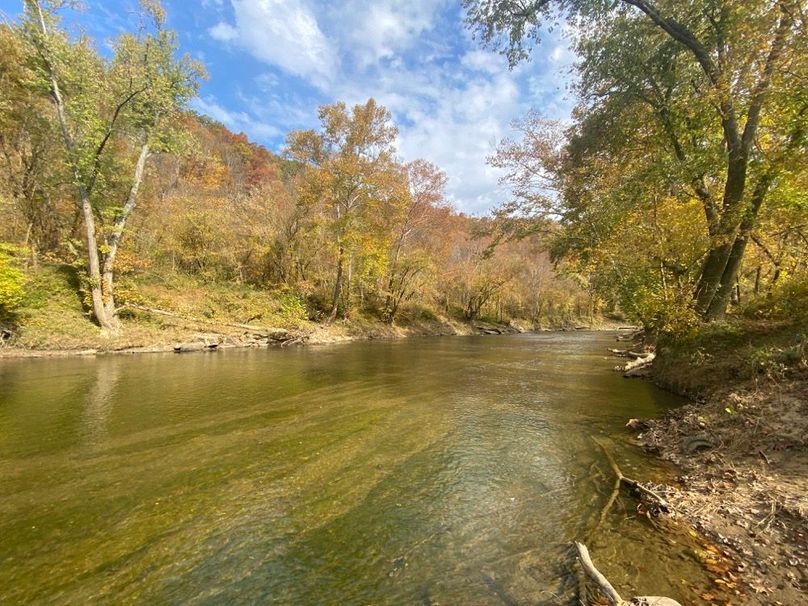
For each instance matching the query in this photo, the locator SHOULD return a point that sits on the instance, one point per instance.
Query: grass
(743, 350)
(55, 313)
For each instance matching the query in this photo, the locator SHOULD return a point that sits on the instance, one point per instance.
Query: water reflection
(99, 401)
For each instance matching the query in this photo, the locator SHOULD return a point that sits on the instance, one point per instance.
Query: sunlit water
(423, 471)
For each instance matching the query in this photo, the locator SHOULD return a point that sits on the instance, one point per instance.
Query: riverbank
(183, 335)
(742, 446)
(179, 312)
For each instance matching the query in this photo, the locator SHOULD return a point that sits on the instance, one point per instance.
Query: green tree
(12, 284)
(731, 68)
(102, 107)
(29, 153)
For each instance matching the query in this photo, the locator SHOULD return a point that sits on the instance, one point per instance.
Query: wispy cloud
(283, 34)
(237, 121)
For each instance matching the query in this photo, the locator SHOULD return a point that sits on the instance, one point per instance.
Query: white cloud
(453, 102)
(235, 121)
(458, 134)
(223, 32)
(484, 61)
(382, 29)
(284, 34)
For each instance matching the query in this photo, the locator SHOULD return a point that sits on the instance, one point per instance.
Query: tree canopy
(684, 107)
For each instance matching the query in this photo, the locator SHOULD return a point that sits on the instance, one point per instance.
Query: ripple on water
(425, 471)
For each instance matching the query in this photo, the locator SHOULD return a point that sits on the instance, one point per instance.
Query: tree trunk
(346, 312)
(719, 255)
(94, 265)
(718, 306)
(114, 239)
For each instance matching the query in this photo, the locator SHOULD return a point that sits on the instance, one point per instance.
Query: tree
(741, 58)
(350, 169)
(31, 168)
(103, 106)
(425, 193)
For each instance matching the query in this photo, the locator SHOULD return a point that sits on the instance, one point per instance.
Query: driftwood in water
(639, 360)
(620, 479)
(639, 366)
(608, 589)
(627, 353)
(601, 581)
(630, 482)
(195, 346)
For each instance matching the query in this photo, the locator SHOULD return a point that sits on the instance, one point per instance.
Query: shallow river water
(422, 471)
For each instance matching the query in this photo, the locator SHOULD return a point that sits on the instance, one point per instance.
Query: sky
(272, 63)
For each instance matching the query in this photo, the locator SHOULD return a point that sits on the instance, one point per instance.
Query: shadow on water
(434, 471)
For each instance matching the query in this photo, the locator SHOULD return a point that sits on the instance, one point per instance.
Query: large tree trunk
(107, 278)
(729, 278)
(731, 216)
(738, 144)
(94, 268)
(94, 265)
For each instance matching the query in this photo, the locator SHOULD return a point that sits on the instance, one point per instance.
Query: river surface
(422, 471)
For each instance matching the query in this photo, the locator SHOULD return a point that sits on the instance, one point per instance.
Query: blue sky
(273, 62)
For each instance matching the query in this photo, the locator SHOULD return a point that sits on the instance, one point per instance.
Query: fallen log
(275, 334)
(608, 589)
(194, 346)
(639, 360)
(601, 581)
(295, 341)
(640, 371)
(627, 353)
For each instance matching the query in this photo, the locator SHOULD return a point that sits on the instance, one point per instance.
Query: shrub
(293, 308)
(12, 285)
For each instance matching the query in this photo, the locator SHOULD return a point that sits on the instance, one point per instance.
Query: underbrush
(768, 340)
(51, 312)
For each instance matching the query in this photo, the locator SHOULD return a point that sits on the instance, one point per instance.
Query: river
(420, 471)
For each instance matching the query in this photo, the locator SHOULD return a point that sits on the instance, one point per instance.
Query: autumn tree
(725, 67)
(409, 222)
(30, 163)
(351, 170)
(103, 107)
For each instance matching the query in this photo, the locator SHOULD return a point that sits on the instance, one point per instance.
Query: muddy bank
(744, 458)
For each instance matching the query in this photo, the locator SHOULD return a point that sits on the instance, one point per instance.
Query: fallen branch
(639, 360)
(601, 581)
(606, 508)
(276, 334)
(608, 589)
(627, 353)
(630, 482)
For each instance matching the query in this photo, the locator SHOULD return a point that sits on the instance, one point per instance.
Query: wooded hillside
(109, 178)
